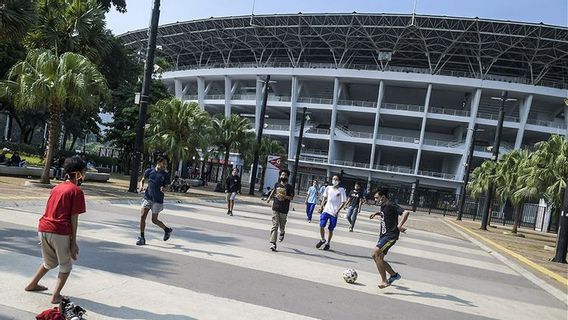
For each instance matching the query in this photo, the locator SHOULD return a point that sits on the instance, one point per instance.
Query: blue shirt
(312, 195)
(156, 180)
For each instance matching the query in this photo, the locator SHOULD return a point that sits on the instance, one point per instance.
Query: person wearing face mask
(354, 205)
(334, 199)
(58, 228)
(311, 199)
(158, 180)
(282, 194)
(232, 187)
(389, 234)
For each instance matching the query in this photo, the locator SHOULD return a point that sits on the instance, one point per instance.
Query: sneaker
(230, 213)
(141, 241)
(281, 238)
(350, 229)
(326, 247)
(309, 221)
(167, 233)
(394, 278)
(273, 246)
(320, 243)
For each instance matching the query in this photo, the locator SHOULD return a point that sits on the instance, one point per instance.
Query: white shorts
(153, 206)
(231, 196)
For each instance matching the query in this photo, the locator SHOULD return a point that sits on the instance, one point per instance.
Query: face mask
(284, 179)
(335, 183)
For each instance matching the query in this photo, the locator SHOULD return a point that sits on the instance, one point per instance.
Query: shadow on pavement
(123, 312)
(430, 295)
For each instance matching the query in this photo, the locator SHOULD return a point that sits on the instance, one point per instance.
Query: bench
(37, 172)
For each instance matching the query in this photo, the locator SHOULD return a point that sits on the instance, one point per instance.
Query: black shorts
(386, 241)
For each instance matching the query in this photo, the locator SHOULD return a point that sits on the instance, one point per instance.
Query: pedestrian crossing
(173, 287)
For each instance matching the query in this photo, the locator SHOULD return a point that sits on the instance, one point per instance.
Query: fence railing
(315, 100)
(313, 159)
(318, 131)
(493, 116)
(403, 107)
(389, 137)
(550, 124)
(315, 151)
(451, 112)
(357, 103)
(351, 164)
(442, 143)
(448, 176)
(392, 168)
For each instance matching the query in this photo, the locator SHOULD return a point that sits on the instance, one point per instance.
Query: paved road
(220, 267)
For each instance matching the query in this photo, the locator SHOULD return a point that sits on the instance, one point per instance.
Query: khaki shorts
(153, 206)
(56, 251)
(231, 196)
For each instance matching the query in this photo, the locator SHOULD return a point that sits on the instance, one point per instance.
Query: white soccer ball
(350, 275)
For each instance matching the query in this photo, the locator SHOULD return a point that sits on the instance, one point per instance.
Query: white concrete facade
(392, 126)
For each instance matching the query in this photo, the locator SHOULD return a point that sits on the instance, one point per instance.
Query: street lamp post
(299, 148)
(259, 136)
(467, 171)
(494, 157)
(142, 112)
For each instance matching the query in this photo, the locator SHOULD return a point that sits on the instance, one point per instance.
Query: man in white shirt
(334, 199)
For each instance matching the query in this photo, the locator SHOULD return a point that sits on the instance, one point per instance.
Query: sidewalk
(12, 189)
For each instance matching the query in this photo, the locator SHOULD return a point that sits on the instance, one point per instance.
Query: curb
(557, 293)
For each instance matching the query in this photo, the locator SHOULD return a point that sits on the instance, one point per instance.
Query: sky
(554, 12)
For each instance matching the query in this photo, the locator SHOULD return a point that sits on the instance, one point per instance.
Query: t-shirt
(156, 180)
(355, 197)
(312, 194)
(65, 200)
(322, 190)
(233, 184)
(334, 199)
(281, 190)
(391, 211)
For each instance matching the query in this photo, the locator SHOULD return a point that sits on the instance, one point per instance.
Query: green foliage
(119, 5)
(16, 17)
(231, 134)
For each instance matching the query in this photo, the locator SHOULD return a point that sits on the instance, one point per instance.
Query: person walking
(388, 235)
(354, 205)
(158, 181)
(282, 194)
(334, 199)
(311, 200)
(321, 190)
(232, 187)
(58, 228)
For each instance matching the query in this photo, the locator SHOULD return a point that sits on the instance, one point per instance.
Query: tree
(511, 172)
(230, 134)
(480, 177)
(120, 5)
(16, 17)
(177, 128)
(268, 147)
(45, 80)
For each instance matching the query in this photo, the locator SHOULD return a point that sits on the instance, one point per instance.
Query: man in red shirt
(58, 228)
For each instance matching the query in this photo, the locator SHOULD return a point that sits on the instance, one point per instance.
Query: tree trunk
(517, 220)
(30, 136)
(174, 167)
(64, 143)
(73, 143)
(226, 164)
(54, 123)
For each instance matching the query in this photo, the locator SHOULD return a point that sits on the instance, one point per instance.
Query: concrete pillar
(178, 88)
(423, 128)
(380, 96)
(257, 110)
(7, 127)
(566, 120)
(472, 119)
(293, 110)
(331, 150)
(201, 92)
(228, 96)
(525, 109)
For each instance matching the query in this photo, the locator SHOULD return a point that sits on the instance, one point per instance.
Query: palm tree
(44, 80)
(16, 17)
(177, 128)
(480, 178)
(268, 147)
(549, 170)
(511, 173)
(231, 133)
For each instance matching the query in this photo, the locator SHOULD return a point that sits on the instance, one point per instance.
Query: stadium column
(178, 88)
(201, 92)
(566, 117)
(293, 110)
(228, 96)
(257, 110)
(474, 106)
(376, 126)
(423, 128)
(331, 150)
(525, 108)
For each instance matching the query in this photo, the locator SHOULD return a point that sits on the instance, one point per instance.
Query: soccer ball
(350, 275)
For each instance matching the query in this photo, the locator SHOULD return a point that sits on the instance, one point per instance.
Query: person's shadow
(123, 312)
(430, 295)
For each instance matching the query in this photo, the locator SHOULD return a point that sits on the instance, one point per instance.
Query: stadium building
(390, 97)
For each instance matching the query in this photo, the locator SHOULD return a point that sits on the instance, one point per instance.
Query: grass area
(31, 160)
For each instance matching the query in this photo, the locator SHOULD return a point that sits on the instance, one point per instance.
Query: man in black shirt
(282, 193)
(354, 205)
(232, 187)
(390, 230)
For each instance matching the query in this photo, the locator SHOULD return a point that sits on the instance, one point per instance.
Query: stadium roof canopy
(471, 47)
